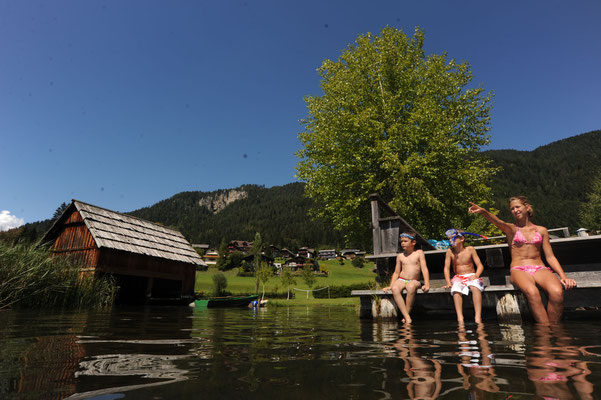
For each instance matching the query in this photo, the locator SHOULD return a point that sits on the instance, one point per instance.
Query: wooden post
(384, 308)
(375, 224)
(508, 308)
(149, 283)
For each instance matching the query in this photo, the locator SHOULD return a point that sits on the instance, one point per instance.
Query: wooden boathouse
(148, 261)
(579, 256)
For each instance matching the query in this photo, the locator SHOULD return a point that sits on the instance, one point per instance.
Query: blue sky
(125, 103)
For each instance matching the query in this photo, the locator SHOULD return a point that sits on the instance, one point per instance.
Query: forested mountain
(279, 214)
(556, 178)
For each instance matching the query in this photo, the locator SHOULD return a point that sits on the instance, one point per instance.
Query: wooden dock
(580, 258)
(504, 302)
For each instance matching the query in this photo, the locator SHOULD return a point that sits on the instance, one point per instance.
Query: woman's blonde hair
(524, 201)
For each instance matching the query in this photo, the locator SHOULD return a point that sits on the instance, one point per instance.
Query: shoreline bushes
(30, 277)
(340, 291)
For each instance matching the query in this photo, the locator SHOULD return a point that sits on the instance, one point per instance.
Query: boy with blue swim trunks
(467, 278)
(410, 264)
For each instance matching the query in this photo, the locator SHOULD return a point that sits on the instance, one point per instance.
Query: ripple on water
(291, 353)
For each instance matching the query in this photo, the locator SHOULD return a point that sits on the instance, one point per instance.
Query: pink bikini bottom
(530, 269)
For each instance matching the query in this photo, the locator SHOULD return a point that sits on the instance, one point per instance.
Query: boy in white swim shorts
(467, 278)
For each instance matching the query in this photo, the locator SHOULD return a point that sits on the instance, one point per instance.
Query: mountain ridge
(556, 177)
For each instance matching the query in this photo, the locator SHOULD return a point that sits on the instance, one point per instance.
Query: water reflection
(132, 350)
(298, 353)
(555, 367)
(39, 356)
(477, 362)
(423, 373)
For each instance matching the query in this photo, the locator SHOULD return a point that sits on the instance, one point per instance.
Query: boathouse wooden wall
(122, 263)
(75, 241)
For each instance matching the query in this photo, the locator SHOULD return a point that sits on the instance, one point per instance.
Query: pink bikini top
(519, 237)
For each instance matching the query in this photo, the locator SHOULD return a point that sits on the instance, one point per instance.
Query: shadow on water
(293, 353)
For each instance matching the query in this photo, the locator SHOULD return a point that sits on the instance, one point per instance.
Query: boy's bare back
(410, 265)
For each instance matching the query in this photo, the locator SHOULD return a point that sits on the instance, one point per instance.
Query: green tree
(264, 273)
(309, 277)
(590, 212)
(398, 122)
(358, 262)
(222, 261)
(480, 226)
(219, 284)
(59, 211)
(256, 251)
(235, 259)
(287, 280)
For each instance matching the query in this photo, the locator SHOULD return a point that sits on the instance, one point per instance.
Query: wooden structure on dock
(579, 256)
(148, 260)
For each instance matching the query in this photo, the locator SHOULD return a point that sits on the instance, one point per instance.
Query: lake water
(303, 353)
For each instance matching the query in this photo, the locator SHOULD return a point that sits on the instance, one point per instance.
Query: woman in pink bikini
(527, 268)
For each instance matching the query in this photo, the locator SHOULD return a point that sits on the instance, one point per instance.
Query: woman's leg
(552, 286)
(526, 283)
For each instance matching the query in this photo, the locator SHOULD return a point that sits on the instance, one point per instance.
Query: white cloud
(8, 221)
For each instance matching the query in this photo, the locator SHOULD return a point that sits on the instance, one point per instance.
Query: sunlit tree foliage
(399, 122)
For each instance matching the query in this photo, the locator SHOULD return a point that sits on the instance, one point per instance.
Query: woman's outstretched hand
(475, 209)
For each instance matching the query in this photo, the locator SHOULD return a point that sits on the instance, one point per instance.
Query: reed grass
(30, 277)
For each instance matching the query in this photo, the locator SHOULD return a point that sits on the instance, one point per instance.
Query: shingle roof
(118, 231)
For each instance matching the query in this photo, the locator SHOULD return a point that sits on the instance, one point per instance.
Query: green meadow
(338, 275)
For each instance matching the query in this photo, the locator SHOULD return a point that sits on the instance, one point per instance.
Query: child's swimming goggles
(453, 234)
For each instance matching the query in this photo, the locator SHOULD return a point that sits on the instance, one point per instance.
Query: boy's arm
(477, 262)
(425, 272)
(395, 274)
(447, 268)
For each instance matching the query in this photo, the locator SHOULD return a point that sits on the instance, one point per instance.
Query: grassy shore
(338, 275)
(303, 301)
(30, 277)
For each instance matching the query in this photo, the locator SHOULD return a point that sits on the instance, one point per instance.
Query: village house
(327, 254)
(211, 257)
(239, 245)
(306, 252)
(296, 263)
(251, 259)
(275, 251)
(350, 254)
(203, 248)
(285, 253)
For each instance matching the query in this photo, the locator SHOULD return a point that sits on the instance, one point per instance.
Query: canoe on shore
(227, 301)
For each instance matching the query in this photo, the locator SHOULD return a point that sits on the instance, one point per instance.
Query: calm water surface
(303, 353)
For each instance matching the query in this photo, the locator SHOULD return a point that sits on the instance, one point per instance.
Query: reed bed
(30, 277)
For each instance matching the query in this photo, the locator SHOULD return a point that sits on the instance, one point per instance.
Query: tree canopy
(590, 212)
(398, 122)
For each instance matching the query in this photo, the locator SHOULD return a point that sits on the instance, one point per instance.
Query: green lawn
(339, 275)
